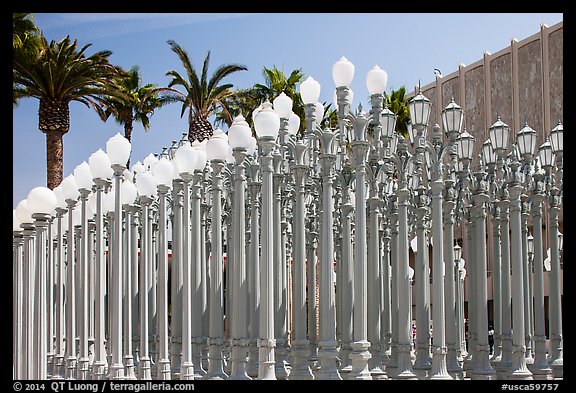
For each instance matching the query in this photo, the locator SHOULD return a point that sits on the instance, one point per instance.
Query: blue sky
(407, 46)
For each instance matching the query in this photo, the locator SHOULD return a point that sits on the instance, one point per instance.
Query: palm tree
(203, 96)
(398, 103)
(137, 102)
(25, 38)
(56, 74)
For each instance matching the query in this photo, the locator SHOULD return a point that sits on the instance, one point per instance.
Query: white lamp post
(216, 152)
(184, 160)
(83, 179)
(146, 186)
(267, 125)
(41, 202)
(118, 150)
(71, 194)
(17, 296)
(240, 139)
(163, 173)
(101, 170)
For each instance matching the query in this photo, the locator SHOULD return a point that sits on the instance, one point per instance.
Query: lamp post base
(300, 368)
(163, 369)
(99, 370)
(58, 369)
(187, 371)
(360, 357)
(83, 372)
(144, 369)
(266, 362)
(71, 367)
(129, 366)
(117, 371)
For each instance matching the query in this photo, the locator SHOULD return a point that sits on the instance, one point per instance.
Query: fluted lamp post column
(163, 172)
(101, 170)
(71, 194)
(185, 162)
(547, 157)
(83, 178)
(118, 149)
(17, 297)
(240, 140)
(216, 152)
(267, 125)
(41, 202)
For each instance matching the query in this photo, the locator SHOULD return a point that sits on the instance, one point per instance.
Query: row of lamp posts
(316, 283)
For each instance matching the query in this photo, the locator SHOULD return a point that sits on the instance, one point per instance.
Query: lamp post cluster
(288, 254)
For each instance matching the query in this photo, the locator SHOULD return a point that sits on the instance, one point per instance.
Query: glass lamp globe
(499, 135)
(217, 146)
(23, 214)
(100, 165)
(319, 113)
(546, 155)
(267, 122)
(77, 216)
(465, 145)
(60, 200)
(138, 168)
(255, 112)
(42, 200)
(310, 91)
(457, 252)
(15, 222)
(108, 200)
(229, 156)
(70, 188)
(149, 161)
(83, 176)
(376, 80)
(91, 205)
(388, 122)
(201, 159)
(526, 141)
(557, 138)
(283, 105)
(488, 154)
(184, 158)
(452, 117)
(252, 148)
(293, 123)
(419, 108)
(342, 72)
(127, 175)
(163, 172)
(240, 134)
(146, 185)
(118, 149)
(128, 193)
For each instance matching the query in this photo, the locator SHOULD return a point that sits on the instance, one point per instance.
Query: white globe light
(293, 123)
(108, 200)
(376, 80)
(267, 122)
(127, 175)
(230, 157)
(163, 172)
(23, 214)
(319, 112)
(15, 222)
(217, 146)
(150, 161)
(42, 200)
(91, 205)
(252, 148)
(239, 133)
(77, 216)
(61, 201)
(283, 105)
(83, 176)
(118, 149)
(138, 168)
(310, 90)
(70, 188)
(146, 184)
(201, 159)
(100, 165)
(128, 193)
(184, 158)
(343, 72)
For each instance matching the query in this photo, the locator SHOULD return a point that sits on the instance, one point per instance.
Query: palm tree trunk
(128, 127)
(54, 158)
(54, 121)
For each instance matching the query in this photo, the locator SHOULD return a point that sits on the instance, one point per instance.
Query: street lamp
(216, 152)
(267, 125)
(163, 173)
(41, 202)
(101, 170)
(71, 194)
(118, 150)
(18, 297)
(83, 178)
(240, 140)
(185, 162)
